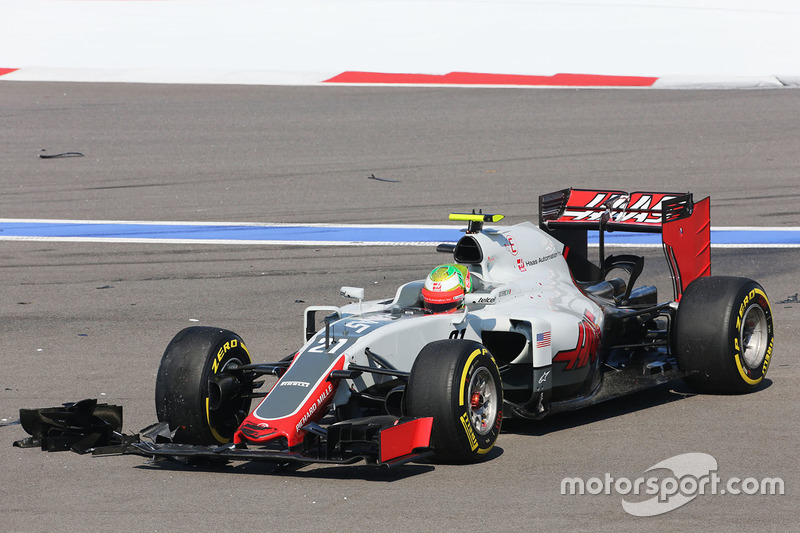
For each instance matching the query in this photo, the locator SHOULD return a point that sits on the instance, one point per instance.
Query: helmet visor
(442, 308)
(440, 302)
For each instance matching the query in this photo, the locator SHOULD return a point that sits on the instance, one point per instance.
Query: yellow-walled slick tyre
(183, 399)
(458, 384)
(724, 334)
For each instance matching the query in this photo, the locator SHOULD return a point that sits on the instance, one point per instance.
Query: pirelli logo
(473, 441)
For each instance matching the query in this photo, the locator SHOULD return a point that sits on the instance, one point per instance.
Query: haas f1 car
(544, 329)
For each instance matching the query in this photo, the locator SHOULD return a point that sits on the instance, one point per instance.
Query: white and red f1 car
(544, 330)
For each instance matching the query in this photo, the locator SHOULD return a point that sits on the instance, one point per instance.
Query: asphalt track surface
(91, 320)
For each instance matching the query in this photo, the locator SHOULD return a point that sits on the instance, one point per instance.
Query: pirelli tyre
(183, 396)
(724, 334)
(458, 384)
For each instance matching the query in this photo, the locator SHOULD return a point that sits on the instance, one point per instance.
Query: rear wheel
(183, 396)
(724, 334)
(458, 384)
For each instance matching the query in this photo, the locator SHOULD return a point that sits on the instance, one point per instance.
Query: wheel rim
(483, 401)
(753, 336)
(228, 362)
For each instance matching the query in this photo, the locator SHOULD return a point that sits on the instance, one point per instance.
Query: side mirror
(353, 292)
(356, 293)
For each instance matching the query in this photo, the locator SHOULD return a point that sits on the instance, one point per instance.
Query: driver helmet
(445, 288)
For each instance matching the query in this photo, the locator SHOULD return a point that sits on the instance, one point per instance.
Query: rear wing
(612, 210)
(684, 225)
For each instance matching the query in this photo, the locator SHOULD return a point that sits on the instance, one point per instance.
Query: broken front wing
(381, 440)
(87, 426)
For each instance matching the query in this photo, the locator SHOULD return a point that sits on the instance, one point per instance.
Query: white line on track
(319, 234)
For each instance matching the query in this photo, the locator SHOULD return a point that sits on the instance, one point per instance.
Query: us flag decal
(543, 339)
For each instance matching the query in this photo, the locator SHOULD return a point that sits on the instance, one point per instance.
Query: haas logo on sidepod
(586, 349)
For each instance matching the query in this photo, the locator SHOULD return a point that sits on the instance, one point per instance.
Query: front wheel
(458, 384)
(184, 398)
(724, 334)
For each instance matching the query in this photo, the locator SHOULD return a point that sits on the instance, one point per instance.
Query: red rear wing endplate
(687, 245)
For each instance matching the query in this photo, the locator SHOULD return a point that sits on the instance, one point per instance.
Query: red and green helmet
(445, 288)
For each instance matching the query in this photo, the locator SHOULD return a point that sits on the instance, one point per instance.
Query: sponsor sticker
(512, 244)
